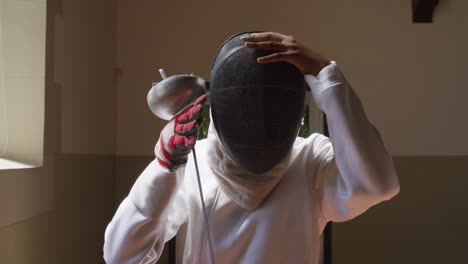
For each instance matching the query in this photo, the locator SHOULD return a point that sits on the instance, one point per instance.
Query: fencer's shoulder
(201, 148)
(201, 145)
(315, 145)
(315, 138)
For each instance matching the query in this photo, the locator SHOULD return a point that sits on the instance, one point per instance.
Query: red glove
(178, 137)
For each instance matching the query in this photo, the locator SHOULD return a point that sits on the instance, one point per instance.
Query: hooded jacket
(273, 218)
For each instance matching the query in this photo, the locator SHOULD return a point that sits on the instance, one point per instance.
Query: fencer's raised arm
(355, 169)
(154, 209)
(149, 217)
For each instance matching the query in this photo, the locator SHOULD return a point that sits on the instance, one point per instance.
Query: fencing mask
(256, 108)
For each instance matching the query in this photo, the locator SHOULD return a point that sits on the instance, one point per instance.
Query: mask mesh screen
(256, 108)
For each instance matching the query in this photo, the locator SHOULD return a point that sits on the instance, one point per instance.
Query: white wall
(411, 77)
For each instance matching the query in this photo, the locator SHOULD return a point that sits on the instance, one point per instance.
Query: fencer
(268, 192)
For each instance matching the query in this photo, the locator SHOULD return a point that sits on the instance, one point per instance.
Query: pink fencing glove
(178, 137)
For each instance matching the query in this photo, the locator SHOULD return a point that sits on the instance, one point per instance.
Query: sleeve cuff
(327, 77)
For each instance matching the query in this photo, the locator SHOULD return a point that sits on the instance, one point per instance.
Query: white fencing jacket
(323, 179)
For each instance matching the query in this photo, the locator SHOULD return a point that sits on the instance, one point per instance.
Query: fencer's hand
(179, 135)
(288, 49)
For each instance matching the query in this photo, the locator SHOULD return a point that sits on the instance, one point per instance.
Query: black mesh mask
(256, 108)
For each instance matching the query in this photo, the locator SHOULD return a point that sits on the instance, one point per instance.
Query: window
(22, 82)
